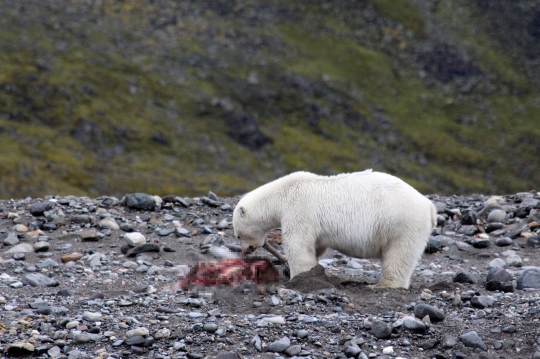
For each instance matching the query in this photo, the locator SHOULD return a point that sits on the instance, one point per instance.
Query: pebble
(482, 301)
(140, 201)
(92, 316)
(496, 263)
(380, 329)
(503, 242)
(497, 215)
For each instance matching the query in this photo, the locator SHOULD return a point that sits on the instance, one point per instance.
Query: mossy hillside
(128, 103)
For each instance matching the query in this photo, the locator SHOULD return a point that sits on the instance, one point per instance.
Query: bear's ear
(242, 211)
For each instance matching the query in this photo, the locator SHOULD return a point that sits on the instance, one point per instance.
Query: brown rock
(73, 257)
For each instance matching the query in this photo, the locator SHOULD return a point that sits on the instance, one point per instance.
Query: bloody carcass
(230, 272)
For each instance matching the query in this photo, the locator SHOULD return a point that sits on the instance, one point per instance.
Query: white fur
(364, 214)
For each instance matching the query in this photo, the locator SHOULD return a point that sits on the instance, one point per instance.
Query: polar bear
(363, 214)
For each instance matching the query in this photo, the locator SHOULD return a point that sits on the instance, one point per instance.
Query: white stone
(110, 223)
(134, 239)
(142, 331)
(388, 350)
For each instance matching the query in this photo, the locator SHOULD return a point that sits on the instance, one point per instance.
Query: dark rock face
(446, 63)
(244, 130)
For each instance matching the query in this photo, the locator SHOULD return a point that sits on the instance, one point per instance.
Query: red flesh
(227, 272)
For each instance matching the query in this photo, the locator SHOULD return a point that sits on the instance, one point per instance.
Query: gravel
(111, 297)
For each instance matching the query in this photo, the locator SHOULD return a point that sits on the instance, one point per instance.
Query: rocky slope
(99, 278)
(167, 97)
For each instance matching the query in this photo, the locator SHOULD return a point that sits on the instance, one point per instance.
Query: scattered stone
(134, 239)
(497, 215)
(110, 223)
(280, 345)
(465, 277)
(503, 242)
(21, 248)
(39, 280)
(497, 263)
(20, 349)
(380, 329)
(434, 313)
(482, 301)
(472, 340)
(140, 201)
(529, 278)
(73, 257)
(449, 341)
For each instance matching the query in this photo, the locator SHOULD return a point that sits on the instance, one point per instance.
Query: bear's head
(247, 227)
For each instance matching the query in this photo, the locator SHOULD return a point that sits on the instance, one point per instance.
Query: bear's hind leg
(398, 263)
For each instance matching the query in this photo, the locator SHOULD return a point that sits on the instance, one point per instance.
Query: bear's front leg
(301, 253)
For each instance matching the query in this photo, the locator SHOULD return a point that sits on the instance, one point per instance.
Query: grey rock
(514, 261)
(465, 277)
(434, 313)
(503, 242)
(381, 329)
(39, 280)
(81, 338)
(92, 316)
(257, 343)
(533, 241)
(415, 325)
(21, 248)
(11, 239)
(509, 329)
(302, 333)
(472, 340)
(293, 350)
(498, 274)
(352, 351)
(19, 349)
(462, 246)
(468, 218)
(449, 341)
(434, 245)
(480, 243)
(495, 226)
(467, 230)
(497, 263)
(210, 327)
(182, 232)
(529, 278)
(280, 345)
(41, 246)
(497, 215)
(221, 253)
(140, 201)
(38, 209)
(482, 301)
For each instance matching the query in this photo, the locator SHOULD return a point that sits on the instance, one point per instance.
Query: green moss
(402, 11)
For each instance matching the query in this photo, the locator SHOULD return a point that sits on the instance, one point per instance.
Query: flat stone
(480, 243)
(89, 236)
(110, 223)
(38, 209)
(39, 280)
(514, 261)
(73, 257)
(21, 248)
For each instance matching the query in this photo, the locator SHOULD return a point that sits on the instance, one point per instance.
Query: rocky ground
(98, 278)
